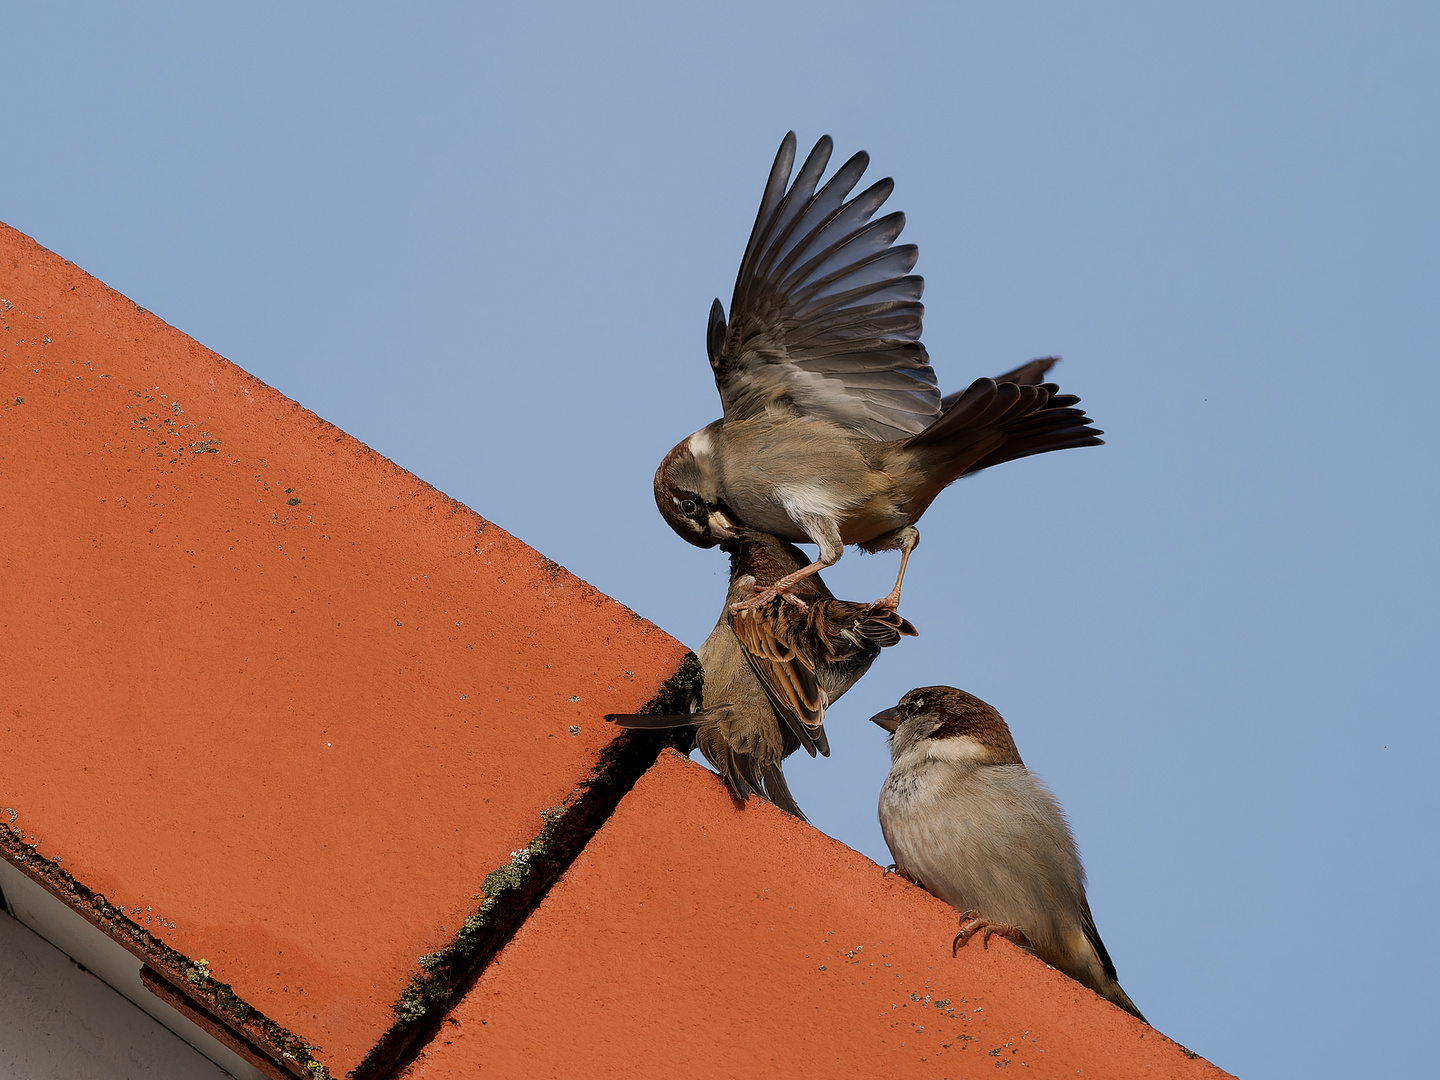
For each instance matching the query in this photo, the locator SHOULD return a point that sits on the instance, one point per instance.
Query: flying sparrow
(966, 821)
(834, 430)
(771, 670)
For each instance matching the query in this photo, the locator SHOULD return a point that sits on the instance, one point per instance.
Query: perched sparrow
(967, 822)
(834, 431)
(771, 670)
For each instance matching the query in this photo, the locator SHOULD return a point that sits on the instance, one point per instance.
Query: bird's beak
(889, 719)
(720, 526)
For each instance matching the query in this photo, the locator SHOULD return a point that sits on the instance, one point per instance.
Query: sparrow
(772, 670)
(835, 431)
(967, 822)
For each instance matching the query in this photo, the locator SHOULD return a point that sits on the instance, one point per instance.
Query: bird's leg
(826, 534)
(765, 593)
(907, 540)
(972, 922)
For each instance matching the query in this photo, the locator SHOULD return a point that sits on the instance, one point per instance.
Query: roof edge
(274, 1049)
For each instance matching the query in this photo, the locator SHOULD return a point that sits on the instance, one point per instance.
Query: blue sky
(486, 244)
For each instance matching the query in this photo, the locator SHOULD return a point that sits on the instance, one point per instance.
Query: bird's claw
(972, 923)
(763, 595)
(900, 872)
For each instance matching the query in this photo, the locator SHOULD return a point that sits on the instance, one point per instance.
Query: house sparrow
(968, 823)
(771, 670)
(834, 430)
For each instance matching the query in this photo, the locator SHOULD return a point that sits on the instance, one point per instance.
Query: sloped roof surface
(692, 938)
(271, 701)
(259, 681)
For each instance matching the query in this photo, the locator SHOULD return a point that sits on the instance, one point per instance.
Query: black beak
(889, 719)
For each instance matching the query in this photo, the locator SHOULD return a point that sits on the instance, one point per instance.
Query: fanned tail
(991, 422)
(1027, 374)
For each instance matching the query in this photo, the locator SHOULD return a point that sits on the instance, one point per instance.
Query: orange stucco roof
(694, 938)
(261, 683)
(271, 701)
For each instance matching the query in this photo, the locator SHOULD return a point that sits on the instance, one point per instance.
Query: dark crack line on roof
(513, 891)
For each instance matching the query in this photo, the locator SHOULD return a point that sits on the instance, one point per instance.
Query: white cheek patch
(961, 749)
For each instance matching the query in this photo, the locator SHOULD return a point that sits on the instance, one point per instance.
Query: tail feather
(1031, 373)
(742, 771)
(1119, 997)
(983, 402)
(736, 767)
(1064, 429)
(656, 722)
(1109, 986)
(778, 791)
(991, 422)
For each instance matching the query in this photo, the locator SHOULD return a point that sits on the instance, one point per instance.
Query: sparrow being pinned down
(968, 823)
(771, 670)
(834, 430)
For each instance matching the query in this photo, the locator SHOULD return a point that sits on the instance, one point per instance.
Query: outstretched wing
(845, 637)
(825, 320)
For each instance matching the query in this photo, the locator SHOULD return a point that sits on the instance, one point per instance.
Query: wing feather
(787, 676)
(826, 315)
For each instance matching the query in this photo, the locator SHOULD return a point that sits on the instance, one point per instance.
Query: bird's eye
(689, 507)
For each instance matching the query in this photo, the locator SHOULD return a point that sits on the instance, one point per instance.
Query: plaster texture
(281, 699)
(696, 938)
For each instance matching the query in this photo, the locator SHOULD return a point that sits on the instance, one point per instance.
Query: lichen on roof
(514, 888)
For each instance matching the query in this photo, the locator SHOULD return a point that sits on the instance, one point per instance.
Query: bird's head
(954, 725)
(685, 492)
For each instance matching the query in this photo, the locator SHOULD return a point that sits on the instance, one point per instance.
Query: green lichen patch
(512, 890)
(432, 985)
(682, 692)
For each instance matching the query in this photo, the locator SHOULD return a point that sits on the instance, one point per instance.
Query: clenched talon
(764, 594)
